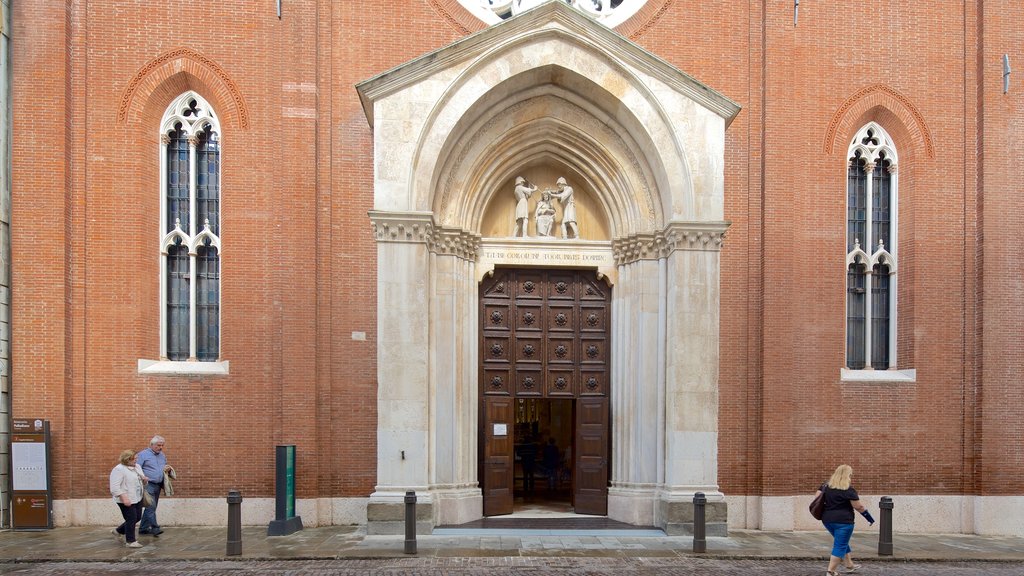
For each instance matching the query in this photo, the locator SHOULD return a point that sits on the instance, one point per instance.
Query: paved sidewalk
(205, 543)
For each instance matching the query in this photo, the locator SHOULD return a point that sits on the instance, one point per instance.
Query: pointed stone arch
(557, 124)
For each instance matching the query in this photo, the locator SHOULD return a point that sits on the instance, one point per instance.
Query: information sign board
(31, 500)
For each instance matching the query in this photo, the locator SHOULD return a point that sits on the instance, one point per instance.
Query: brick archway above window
(186, 61)
(849, 117)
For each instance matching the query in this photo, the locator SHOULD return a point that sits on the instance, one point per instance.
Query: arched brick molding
(466, 23)
(458, 17)
(174, 72)
(867, 103)
(644, 19)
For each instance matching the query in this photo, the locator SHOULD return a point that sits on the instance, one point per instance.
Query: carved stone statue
(567, 199)
(523, 191)
(545, 214)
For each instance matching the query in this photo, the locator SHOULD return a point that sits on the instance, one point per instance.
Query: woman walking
(840, 502)
(126, 484)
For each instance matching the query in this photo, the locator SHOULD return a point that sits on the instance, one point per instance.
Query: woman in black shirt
(840, 502)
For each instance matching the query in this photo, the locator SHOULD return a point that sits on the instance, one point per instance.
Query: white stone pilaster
(403, 369)
(692, 334)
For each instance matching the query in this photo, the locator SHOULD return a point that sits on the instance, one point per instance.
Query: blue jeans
(149, 523)
(841, 534)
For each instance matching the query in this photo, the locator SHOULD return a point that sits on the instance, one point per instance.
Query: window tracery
(871, 266)
(190, 231)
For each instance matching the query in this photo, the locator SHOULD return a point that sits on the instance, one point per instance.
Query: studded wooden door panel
(590, 490)
(497, 434)
(544, 334)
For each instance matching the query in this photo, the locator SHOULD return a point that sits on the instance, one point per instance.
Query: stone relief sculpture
(568, 200)
(545, 213)
(523, 191)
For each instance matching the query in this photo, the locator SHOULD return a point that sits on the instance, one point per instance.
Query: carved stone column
(453, 380)
(638, 389)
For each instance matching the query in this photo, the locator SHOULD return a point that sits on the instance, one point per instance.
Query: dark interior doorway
(543, 469)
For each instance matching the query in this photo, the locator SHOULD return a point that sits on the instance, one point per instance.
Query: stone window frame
(192, 114)
(874, 146)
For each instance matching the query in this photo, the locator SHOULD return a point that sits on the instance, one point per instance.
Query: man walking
(154, 464)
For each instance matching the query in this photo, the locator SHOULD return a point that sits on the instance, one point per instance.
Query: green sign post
(285, 521)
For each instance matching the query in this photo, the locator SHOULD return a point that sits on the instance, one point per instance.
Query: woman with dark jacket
(840, 502)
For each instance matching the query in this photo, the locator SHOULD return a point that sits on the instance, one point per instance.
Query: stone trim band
(419, 228)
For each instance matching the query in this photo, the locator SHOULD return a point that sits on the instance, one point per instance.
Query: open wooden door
(544, 336)
(498, 455)
(590, 489)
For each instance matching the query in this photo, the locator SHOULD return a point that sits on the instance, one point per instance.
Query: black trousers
(132, 514)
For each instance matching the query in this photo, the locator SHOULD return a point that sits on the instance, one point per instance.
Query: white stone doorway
(549, 93)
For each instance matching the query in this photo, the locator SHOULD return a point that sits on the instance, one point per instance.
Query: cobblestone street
(510, 566)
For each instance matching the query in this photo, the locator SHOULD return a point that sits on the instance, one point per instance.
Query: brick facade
(299, 260)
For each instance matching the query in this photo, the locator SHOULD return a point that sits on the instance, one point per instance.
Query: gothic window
(871, 210)
(190, 231)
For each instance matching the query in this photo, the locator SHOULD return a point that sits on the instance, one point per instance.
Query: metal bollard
(234, 523)
(700, 543)
(410, 522)
(885, 526)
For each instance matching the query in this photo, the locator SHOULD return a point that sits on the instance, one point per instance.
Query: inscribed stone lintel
(546, 253)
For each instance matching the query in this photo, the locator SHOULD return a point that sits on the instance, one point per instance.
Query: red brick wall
(1000, 209)
(299, 260)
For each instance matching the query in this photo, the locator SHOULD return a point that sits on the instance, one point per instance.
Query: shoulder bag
(147, 498)
(817, 506)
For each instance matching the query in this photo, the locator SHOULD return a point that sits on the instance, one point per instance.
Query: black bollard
(410, 522)
(234, 523)
(700, 543)
(885, 528)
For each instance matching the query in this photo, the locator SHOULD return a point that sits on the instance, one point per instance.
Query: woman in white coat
(126, 485)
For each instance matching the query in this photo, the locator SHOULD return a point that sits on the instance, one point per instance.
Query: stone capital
(413, 227)
(455, 242)
(704, 236)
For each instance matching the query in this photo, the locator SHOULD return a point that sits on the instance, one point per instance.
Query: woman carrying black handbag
(839, 501)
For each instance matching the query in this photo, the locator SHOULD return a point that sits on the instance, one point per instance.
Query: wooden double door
(544, 335)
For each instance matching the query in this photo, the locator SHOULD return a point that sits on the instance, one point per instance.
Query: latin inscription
(544, 256)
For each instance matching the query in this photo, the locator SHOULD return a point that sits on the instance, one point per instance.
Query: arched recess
(173, 73)
(591, 83)
(912, 140)
(552, 124)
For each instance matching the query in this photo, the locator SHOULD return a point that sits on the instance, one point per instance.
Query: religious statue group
(544, 212)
